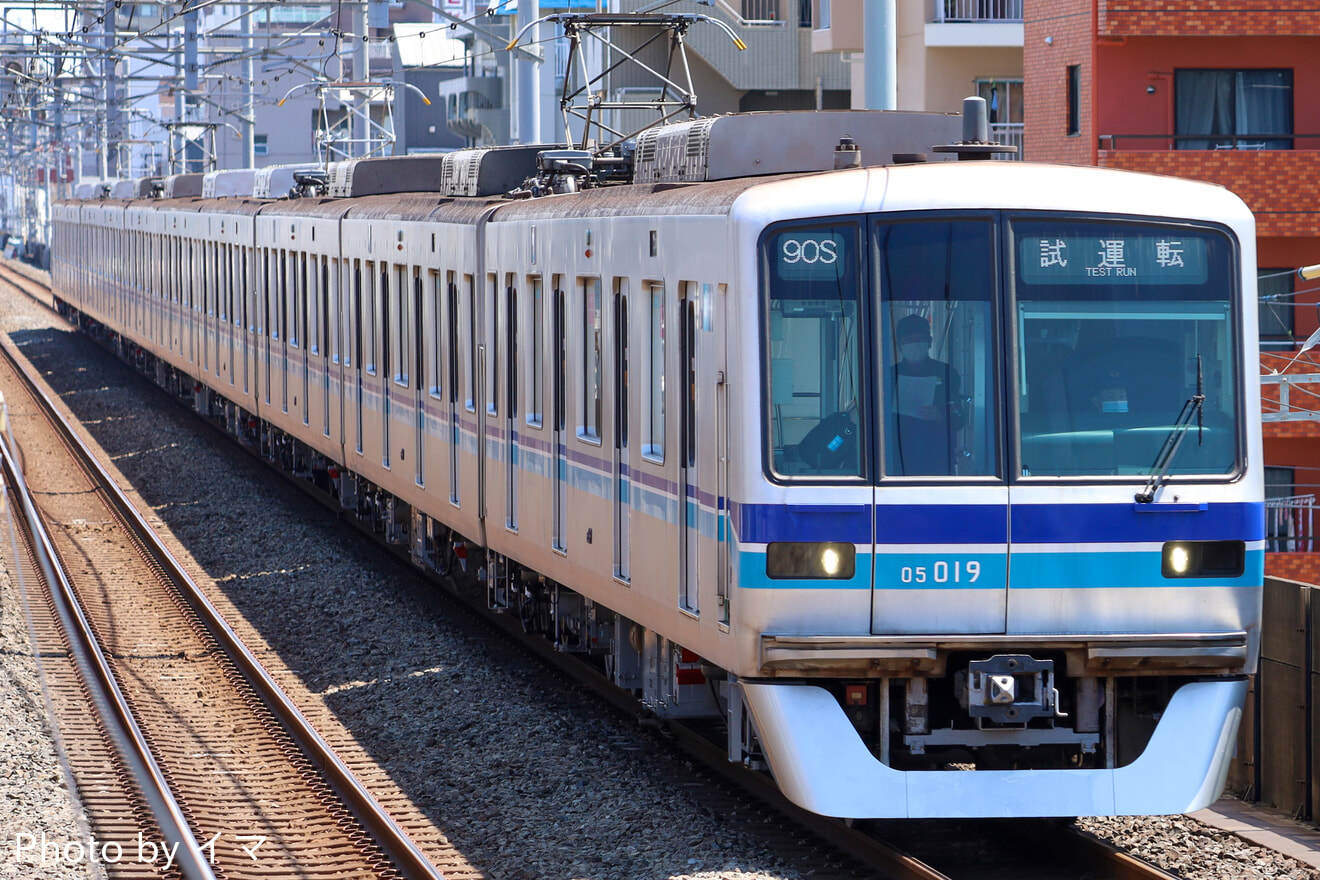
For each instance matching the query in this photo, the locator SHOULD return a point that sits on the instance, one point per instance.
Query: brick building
(1220, 92)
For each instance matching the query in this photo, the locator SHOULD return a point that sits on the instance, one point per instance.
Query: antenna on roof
(976, 143)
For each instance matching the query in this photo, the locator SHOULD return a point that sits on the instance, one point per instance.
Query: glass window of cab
(814, 364)
(1120, 326)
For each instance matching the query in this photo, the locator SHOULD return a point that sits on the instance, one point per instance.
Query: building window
(1274, 287)
(1233, 109)
(1074, 99)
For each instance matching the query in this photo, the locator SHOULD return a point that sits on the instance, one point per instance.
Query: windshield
(814, 342)
(932, 343)
(1113, 322)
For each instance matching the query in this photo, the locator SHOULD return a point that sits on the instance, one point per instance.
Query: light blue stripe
(752, 576)
(940, 571)
(1031, 571)
(1116, 570)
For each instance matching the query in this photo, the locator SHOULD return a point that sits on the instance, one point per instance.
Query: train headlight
(1203, 559)
(1180, 559)
(834, 560)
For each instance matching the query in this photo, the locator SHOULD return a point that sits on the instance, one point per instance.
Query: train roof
(935, 186)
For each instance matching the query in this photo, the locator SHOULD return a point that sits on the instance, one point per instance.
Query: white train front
(902, 470)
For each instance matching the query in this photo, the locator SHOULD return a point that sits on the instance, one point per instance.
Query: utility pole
(190, 87)
(110, 104)
(358, 128)
(880, 54)
(527, 99)
(247, 118)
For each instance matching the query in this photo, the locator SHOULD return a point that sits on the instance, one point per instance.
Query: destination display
(1120, 258)
(811, 255)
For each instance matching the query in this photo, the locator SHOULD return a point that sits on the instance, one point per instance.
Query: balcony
(978, 11)
(975, 23)
(1255, 142)
(1290, 524)
(1009, 134)
(1277, 184)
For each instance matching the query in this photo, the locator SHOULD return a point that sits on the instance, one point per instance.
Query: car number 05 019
(942, 572)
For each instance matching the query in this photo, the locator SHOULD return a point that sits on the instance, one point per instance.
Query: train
(934, 484)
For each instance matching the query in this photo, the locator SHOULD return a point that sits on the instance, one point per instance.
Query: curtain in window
(1224, 109)
(1264, 106)
(1204, 106)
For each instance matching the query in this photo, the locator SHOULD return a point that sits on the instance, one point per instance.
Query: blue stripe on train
(989, 524)
(985, 571)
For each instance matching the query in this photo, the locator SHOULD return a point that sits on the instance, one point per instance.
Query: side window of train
(437, 335)
(589, 358)
(536, 357)
(468, 335)
(326, 301)
(354, 310)
(278, 324)
(653, 413)
(417, 331)
(313, 304)
(368, 319)
(399, 327)
(451, 337)
(491, 335)
(511, 319)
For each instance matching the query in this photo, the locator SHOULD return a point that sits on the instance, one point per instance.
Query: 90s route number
(942, 572)
(810, 255)
(809, 250)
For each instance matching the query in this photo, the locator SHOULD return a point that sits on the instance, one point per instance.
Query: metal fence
(1252, 142)
(1010, 134)
(1290, 524)
(1275, 761)
(978, 10)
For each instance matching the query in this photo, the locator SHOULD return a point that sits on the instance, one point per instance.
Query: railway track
(218, 771)
(996, 852)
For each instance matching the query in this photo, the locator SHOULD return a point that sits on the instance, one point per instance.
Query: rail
(117, 717)
(395, 842)
(1289, 397)
(757, 13)
(1290, 524)
(984, 11)
(1255, 142)
(1009, 134)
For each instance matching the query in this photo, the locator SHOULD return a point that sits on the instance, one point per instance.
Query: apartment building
(946, 50)
(1193, 89)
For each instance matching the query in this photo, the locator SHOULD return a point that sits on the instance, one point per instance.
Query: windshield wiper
(1159, 470)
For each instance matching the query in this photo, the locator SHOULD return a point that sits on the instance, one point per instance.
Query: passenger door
(941, 513)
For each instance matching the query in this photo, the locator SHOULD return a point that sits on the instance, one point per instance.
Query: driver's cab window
(936, 284)
(815, 364)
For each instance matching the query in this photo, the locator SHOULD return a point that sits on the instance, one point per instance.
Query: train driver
(925, 405)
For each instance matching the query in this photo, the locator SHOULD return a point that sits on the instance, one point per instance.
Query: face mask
(915, 351)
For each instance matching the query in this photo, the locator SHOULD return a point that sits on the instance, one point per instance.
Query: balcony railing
(1009, 134)
(756, 12)
(978, 10)
(1159, 142)
(1290, 524)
